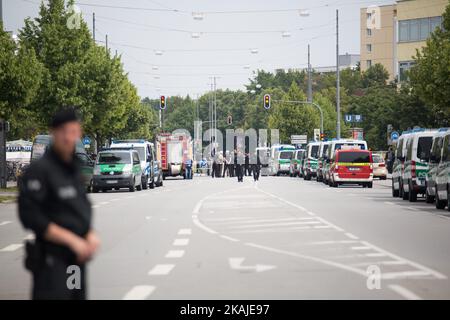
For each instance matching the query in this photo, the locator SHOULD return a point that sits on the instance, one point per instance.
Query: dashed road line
(181, 242)
(139, 293)
(4, 223)
(229, 238)
(185, 232)
(175, 254)
(161, 270)
(351, 236)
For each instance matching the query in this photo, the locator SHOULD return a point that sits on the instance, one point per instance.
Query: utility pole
(106, 42)
(309, 76)
(338, 82)
(93, 26)
(1, 13)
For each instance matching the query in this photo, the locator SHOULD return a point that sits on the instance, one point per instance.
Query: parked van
(310, 161)
(151, 168)
(398, 166)
(42, 142)
(339, 144)
(418, 148)
(443, 175)
(296, 162)
(280, 159)
(352, 166)
(433, 163)
(321, 160)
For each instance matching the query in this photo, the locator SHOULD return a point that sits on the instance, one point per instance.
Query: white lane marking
(236, 264)
(322, 227)
(332, 242)
(4, 223)
(95, 206)
(229, 238)
(185, 232)
(29, 237)
(351, 236)
(115, 199)
(405, 293)
(161, 270)
(385, 263)
(148, 217)
(175, 254)
(375, 254)
(202, 226)
(435, 273)
(227, 219)
(265, 220)
(274, 230)
(281, 224)
(361, 248)
(389, 203)
(197, 207)
(139, 293)
(181, 242)
(11, 247)
(405, 274)
(103, 203)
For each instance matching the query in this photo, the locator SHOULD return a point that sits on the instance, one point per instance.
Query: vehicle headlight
(96, 170)
(127, 169)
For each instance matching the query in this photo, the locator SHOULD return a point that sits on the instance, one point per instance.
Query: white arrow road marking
(236, 264)
(139, 293)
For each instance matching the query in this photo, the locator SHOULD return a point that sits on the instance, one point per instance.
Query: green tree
(376, 75)
(430, 77)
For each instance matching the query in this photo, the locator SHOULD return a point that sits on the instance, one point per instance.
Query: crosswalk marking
(161, 270)
(175, 254)
(139, 293)
(181, 242)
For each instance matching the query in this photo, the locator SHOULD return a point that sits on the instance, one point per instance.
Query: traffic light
(322, 136)
(162, 102)
(230, 120)
(267, 101)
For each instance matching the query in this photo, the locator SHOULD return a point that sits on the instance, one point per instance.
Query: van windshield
(314, 152)
(354, 157)
(299, 155)
(141, 151)
(424, 148)
(325, 148)
(114, 158)
(286, 155)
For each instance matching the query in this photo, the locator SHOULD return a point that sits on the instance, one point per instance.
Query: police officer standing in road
(54, 205)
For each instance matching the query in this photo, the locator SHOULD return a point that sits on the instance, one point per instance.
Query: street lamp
(199, 16)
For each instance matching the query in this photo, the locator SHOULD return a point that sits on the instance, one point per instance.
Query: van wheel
(428, 197)
(412, 195)
(395, 193)
(139, 186)
(439, 203)
(145, 183)
(95, 190)
(405, 194)
(152, 184)
(133, 187)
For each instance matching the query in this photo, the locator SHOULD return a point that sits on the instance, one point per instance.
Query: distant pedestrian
(53, 204)
(188, 166)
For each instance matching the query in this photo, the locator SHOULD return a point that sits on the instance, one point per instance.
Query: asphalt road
(280, 238)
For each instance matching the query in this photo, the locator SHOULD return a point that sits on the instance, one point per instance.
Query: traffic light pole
(3, 169)
(306, 102)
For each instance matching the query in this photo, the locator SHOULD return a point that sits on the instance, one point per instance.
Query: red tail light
(381, 165)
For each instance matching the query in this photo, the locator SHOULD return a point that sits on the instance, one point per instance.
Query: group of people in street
(236, 164)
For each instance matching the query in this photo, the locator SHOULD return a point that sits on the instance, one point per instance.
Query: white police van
(151, 168)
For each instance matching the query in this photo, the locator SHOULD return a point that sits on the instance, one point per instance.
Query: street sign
(395, 135)
(299, 139)
(349, 118)
(86, 141)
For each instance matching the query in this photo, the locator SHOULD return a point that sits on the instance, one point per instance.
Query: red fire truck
(173, 151)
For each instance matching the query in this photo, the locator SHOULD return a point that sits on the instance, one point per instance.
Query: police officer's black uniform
(53, 191)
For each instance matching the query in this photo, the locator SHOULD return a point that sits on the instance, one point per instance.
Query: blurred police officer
(53, 204)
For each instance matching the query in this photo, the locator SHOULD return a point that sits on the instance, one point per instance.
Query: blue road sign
(86, 140)
(394, 135)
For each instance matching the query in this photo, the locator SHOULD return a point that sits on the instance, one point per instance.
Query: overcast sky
(227, 33)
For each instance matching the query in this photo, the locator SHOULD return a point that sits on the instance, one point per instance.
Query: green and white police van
(323, 149)
(338, 144)
(415, 167)
(310, 163)
(443, 175)
(398, 166)
(433, 164)
(280, 159)
(117, 168)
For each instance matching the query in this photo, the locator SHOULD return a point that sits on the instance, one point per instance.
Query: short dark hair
(64, 116)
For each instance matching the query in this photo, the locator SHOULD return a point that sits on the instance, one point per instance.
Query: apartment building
(391, 34)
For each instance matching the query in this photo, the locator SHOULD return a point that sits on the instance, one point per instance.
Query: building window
(417, 29)
(369, 47)
(403, 68)
(368, 64)
(369, 32)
